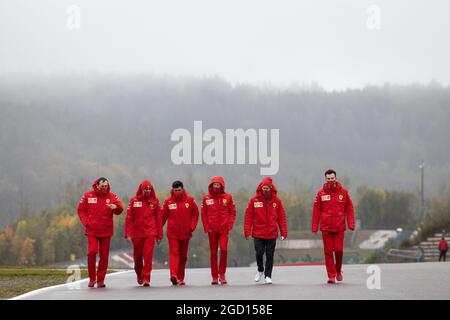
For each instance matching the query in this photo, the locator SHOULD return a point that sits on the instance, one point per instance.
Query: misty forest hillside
(58, 130)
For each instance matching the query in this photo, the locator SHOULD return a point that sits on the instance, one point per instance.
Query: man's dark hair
(177, 184)
(99, 180)
(330, 171)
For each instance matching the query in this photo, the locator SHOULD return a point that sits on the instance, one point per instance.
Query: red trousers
(178, 251)
(333, 247)
(217, 239)
(143, 256)
(98, 245)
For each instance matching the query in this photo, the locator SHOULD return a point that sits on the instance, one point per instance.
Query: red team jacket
(264, 217)
(144, 215)
(331, 207)
(218, 212)
(181, 216)
(95, 214)
(443, 245)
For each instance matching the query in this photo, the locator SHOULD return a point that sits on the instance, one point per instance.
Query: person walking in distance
(443, 248)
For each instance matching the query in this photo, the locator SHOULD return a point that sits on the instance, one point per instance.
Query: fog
(325, 43)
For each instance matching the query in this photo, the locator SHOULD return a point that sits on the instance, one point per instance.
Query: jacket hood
(142, 186)
(266, 182)
(94, 186)
(215, 179)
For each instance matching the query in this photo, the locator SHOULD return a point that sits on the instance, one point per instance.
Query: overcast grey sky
(258, 41)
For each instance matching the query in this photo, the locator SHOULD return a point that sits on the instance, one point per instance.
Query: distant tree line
(58, 129)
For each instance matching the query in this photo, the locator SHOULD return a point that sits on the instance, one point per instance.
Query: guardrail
(416, 255)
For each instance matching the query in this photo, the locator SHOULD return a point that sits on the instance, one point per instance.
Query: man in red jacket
(443, 248)
(218, 215)
(263, 217)
(96, 209)
(181, 212)
(143, 225)
(331, 208)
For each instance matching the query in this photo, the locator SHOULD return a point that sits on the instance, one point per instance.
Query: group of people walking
(264, 221)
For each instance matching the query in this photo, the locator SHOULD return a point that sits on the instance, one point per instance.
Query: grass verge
(16, 281)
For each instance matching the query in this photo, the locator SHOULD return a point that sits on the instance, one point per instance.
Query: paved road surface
(398, 281)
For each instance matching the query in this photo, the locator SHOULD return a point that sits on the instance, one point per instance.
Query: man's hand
(282, 238)
(158, 241)
(246, 238)
(129, 239)
(112, 206)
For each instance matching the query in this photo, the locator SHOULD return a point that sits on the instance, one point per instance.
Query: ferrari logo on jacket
(341, 197)
(108, 201)
(92, 200)
(224, 200)
(209, 202)
(137, 204)
(326, 197)
(186, 204)
(172, 206)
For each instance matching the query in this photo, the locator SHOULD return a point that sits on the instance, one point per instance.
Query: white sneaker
(258, 276)
(268, 280)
